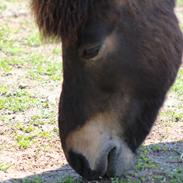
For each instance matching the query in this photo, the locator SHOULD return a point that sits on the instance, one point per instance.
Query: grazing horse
(120, 57)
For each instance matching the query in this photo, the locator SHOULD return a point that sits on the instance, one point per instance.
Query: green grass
(34, 39)
(4, 166)
(4, 66)
(172, 116)
(36, 179)
(8, 44)
(24, 141)
(123, 180)
(4, 90)
(57, 51)
(176, 176)
(144, 162)
(8, 64)
(180, 2)
(68, 180)
(39, 127)
(158, 148)
(2, 7)
(17, 101)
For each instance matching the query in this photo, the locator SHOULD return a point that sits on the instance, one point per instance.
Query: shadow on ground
(52, 176)
(162, 162)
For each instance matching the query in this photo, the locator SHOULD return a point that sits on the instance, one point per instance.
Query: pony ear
(60, 18)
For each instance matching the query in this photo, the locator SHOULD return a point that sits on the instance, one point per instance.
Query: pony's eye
(91, 52)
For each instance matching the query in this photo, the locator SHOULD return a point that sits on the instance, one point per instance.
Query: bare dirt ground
(30, 149)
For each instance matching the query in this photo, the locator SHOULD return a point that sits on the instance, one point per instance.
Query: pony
(120, 57)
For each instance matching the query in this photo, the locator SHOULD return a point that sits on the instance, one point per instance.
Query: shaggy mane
(60, 18)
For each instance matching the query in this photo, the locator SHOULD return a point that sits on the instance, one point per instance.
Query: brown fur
(57, 18)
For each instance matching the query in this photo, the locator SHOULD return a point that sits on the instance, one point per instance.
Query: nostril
(111, 155)
(103, 167)
(78, 162)
(81, 165)
(111, 159)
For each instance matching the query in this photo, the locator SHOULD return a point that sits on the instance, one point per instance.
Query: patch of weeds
(13, 1)
(24, 141)
(38, 127)
(46, 117)
(7, 44)
(144, 162)
(18, 101)
(178, 116)
(68, 180)
(53, 70)
(37, 59)
(42, 66)
(124, 180)
(25, 128)
(2, 7)
(45, 103)
(5, 3)
(45, 134)
(10, 47)
(117, 180)
(4, 117)
(4, 32)
(180, 2)
(15, 61)
(159, 178)
(34, 39)
(2, 104)
(50, 70)
(172, 115)
(4, 66)
(3, 90)
(13, 48)
(34, 75)
(4, 166)
(37, 120)
(156, 148)
(57, 51)
(176, 176)
(36, 179)
(7, 64)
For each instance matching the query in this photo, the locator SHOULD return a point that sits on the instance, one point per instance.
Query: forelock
(61, 18)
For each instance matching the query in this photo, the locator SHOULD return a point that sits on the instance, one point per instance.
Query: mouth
(114, 160)
(97, 150)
